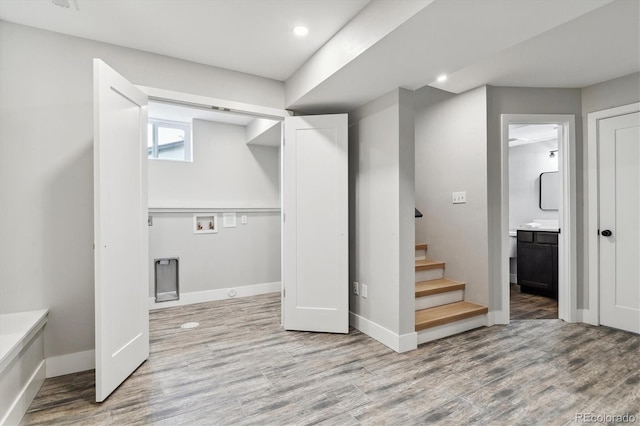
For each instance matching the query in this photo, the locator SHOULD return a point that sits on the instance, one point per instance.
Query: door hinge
(150, 221)
(284, 293)
(284, 217)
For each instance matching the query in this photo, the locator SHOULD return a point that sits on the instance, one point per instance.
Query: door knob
(606, 233)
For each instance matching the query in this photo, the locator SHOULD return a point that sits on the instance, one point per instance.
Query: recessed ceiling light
(300, 30)
(442, 78)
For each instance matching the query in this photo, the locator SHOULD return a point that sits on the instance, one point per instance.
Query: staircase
(440, 307)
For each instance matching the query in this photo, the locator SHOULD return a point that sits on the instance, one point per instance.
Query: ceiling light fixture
(442, 78)
(300, 30)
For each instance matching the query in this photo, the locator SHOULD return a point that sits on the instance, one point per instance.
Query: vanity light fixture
(442, 78)
(300, 30)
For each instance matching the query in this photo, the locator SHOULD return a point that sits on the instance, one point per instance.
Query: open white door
(619, 172)
(316, 224)
(120, 228)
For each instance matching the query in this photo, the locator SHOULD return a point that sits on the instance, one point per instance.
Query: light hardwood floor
(240, 367)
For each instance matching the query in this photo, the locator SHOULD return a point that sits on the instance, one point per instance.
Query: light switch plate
(243, 219)
(459, 197)
(364, 290)
(355, 287)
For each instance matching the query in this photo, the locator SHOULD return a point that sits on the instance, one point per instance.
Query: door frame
(591, 314)
(206, 102)
(567, 258)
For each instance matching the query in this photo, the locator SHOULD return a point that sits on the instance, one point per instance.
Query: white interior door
(619, 172)
(120, 228)
(315, 224)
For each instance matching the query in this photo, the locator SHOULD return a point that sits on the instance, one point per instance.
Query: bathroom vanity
(537, 253)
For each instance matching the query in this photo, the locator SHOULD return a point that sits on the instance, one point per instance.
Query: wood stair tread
(445, 314)
(426, 264)
(421, 246)
(442, 285)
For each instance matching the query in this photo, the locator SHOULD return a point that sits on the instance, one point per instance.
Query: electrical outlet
(459, 197)
(355, 287)
(364, 290)
(243, 219)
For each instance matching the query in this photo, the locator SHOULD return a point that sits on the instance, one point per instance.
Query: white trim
(214, 209)
(217, 294)
(498, 317)
(446, 330)
(71, 363)
(592, 313)
(513, 278)
(399, 343)
(567, 250)
(23, 400)
(214, 103)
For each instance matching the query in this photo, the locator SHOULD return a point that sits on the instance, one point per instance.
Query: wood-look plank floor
(531, 306)
(241, 367)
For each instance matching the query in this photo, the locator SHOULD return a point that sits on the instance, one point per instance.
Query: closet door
(315, 224)
(120, 229)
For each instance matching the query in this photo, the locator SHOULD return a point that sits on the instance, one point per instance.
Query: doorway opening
(534, 201)
(214, 201)
(537, 222)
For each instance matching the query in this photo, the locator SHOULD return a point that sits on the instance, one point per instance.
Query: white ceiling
(526, 43)
(523, 134)
(551, 43)
(595, 47)
(251, 36)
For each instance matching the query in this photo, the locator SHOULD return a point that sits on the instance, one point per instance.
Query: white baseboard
(71, 363)
(498, 317)
(399, 343)
(447, 330)
(587, 316)
(25, 397)
(218, 294)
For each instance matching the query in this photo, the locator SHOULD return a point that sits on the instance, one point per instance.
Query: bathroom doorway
(538, 207)
(534, 199)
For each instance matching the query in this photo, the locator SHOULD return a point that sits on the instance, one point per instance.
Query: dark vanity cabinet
(538, 262)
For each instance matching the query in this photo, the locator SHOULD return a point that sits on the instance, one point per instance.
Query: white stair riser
(421, 254)
(446, 330)
(439, 299)
(431, 274)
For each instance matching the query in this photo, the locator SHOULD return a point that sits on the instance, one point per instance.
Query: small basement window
(169, 140)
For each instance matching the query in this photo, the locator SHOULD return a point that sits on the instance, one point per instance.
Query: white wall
(381, 211)
(46, 165)
(451, 152)
(248, 254)
(526, 162)
(225, 172)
